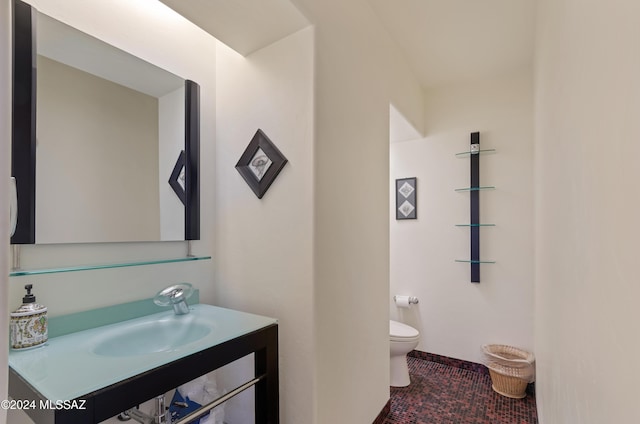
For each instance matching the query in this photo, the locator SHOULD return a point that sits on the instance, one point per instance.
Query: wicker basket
(511, 369)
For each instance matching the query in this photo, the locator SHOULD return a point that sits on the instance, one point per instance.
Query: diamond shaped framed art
(260, 163)
(406, 198)
(177, 178)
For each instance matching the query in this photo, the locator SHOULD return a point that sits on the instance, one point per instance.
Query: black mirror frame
(192, 161)
(23, 128)
(23, 132)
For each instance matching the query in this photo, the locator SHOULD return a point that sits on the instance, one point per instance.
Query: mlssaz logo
(63, 404)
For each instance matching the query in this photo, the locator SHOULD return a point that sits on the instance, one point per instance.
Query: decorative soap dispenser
(28, 323)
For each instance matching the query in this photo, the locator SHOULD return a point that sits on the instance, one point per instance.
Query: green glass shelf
(475, 262)
(476, 188)
(462, 154)
(475, 225)
(23, 272)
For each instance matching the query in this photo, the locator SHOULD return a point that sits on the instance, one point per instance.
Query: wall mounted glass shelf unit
(474, 204)
(39, 271)
(463, 154)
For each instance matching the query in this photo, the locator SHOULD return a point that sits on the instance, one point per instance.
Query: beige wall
(97, 179)
(455, 317)
(587, 131)
(358, 73)
(314, 251)
(264, 251)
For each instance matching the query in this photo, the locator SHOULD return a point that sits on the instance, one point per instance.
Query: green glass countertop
(76, 364)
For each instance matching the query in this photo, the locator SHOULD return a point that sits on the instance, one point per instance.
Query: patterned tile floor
(441, 394)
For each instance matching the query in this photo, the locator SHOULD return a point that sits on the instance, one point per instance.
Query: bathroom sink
(141, 338)
(82, 362)
(117, 365)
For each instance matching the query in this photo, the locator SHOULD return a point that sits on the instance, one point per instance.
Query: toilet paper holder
(412, 300)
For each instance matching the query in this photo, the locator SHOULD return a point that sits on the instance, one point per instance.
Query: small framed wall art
(260, 163)
(177, 178)
(406, 199)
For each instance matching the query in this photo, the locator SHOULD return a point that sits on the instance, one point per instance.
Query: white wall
(454, 316)
(149, 30)
(5, 168)
(587, 131)
(264, 250)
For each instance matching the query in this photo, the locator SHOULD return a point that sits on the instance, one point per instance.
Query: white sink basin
(141, 338)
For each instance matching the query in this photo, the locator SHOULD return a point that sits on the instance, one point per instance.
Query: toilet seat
(399, 332)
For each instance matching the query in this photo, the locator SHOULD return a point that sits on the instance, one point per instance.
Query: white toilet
(403, 339)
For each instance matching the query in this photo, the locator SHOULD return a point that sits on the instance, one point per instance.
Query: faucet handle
(175, 296)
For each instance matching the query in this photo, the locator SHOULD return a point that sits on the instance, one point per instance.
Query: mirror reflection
(110, 128)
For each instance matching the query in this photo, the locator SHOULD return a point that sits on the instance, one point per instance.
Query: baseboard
(452, 362)
(383, 414)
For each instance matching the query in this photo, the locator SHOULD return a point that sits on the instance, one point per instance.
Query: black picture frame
(406, 198)
(174, 179)
(192, 160)
(260, 163)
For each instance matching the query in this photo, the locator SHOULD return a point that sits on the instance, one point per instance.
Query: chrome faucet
(160, 416)
(175, 296)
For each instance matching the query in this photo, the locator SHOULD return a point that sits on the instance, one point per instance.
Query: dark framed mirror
(96, 136)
